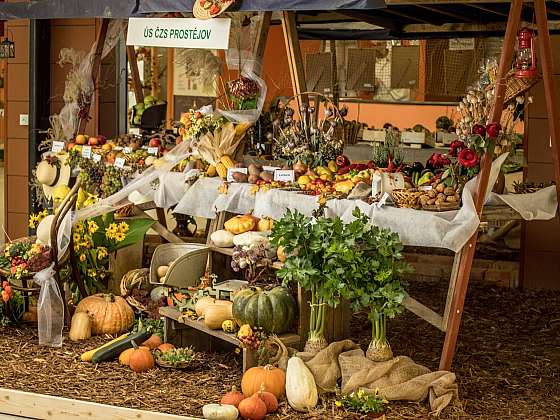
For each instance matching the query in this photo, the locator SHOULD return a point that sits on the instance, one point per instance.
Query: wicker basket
(125, 211)
(406, 198)
(187, 264)
(135, 279)
(516, 87)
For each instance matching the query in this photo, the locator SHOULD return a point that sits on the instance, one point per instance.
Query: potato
(440, 188)
(451, 199)
(441, 196)
(432, 193)
(254, 169)
(457, 197)
(424, 199)
(431, 201)
(440, 201)
(239, 177)
(253, 179)
(449, 191)
(267, 176)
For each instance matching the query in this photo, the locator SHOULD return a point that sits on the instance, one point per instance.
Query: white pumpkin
(222, 238)
(219, 412)
(301, 390)
(250, 238)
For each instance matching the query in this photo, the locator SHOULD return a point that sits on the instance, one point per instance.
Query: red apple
(101, 140)
(70, 146)
(93, 141)
(154, 142)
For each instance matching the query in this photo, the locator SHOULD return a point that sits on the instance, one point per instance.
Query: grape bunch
(91, 175)
(111, 182)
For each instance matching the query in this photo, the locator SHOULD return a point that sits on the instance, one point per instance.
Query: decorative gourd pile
(242, 230)
(262, 388)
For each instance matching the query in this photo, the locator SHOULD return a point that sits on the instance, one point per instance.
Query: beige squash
(80, 328)
(216, 314)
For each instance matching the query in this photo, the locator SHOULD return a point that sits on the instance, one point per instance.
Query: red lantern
(526, 62)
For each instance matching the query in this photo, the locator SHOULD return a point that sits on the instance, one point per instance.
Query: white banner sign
(179, 33)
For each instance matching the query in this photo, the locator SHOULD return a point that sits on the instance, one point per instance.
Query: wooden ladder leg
(467, 253)
(549, 88)
(295, 60)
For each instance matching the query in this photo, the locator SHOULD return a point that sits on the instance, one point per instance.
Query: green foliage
(153, 326)
(362, 402)
(357, 261)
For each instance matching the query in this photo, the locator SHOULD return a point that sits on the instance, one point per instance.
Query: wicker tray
(187, 264)
(180, 365)
(135, 279)
(444, 207)
(406, 199)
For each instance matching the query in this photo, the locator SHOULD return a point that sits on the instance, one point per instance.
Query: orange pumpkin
(273, 379)
(233, 397)
(141, 360)
(165, 347)
(124, 357)
(153, 342)
(252, 408)
(109, 314)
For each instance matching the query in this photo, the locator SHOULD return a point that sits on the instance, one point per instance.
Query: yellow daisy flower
(92, 226)
(77, 237)
(79, 228)
(119, 236)
(91, 273)
(76, 247)
(123, 227)
(82, 257)
(101, 252)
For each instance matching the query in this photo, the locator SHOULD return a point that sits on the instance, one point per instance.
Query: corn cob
(227, 161)
(211, 171)
(221, 170)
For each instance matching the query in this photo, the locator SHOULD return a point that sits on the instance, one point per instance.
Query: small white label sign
(127, 150)
(212, 34)
(86, 152)
(231, 171)
(153, 150)
(285, 175)
(458, 44)
(119, 162)
(57, 146)
(96, 157)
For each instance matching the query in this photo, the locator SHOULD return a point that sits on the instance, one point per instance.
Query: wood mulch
(507, 363)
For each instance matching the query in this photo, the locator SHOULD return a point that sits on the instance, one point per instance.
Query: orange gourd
(269, 400)
(124, 357)
(252, 408)
(153, 342)
(141, 360)
(240, 224)
(233, 397)
(273, 379)
(165, 347)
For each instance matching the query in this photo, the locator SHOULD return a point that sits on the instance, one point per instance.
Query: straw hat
(204, 9)
(53, 171)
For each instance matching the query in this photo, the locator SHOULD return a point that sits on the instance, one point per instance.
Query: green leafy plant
(153, 326)
(177, 357)
(332, 260)
(362, 402)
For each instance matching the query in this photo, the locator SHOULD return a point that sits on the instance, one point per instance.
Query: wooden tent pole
(136, 82)
(467, 253)
(295, 59)
(549, 88)
(260, 41)
(95, 70)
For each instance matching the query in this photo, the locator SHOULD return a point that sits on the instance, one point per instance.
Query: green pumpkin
(274, 310)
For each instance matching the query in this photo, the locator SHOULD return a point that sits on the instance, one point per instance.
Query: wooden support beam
(373, 19)
(486, 9)
(136, 82)
(549, 88)
(170, 115)
(424, 312)
(95, 70)
(334, 75)
(459, 17)
(261, 38)
(295, 59)
(467, 253)
(406, 16)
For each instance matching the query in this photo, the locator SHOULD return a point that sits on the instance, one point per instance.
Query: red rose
(493, 130)
(478, 129)
(455, 147)
(438, 161)
(468, 158)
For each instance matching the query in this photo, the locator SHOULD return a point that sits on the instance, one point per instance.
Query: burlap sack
(397, 379)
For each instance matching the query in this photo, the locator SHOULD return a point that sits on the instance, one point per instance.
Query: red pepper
(342, 161)
(344, 170)
(390, 164)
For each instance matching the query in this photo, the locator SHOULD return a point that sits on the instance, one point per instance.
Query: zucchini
(87, 356)
(113, 350)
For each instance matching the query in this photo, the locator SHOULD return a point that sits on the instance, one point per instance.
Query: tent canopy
(56, 9)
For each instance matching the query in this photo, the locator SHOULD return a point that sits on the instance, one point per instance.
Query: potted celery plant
(374, 282)
(309, 245)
